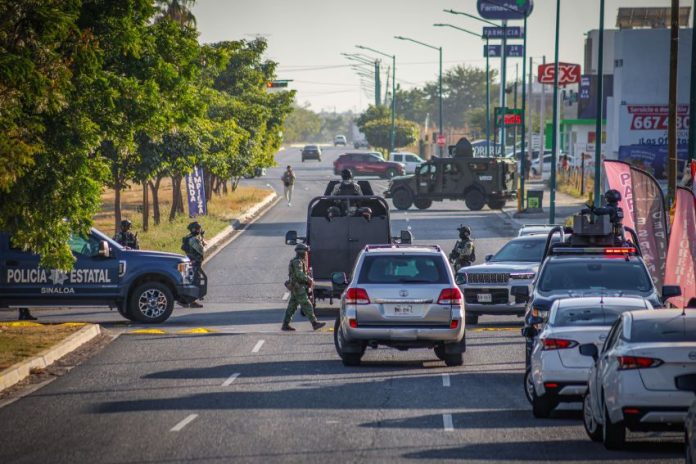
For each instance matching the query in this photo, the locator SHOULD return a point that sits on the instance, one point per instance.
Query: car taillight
(353, 323)
(450, 296)
(637, 362)
(454, 323)
(357, 296)
(558, 344)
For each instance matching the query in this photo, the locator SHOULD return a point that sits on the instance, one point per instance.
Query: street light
(439, 49)
(554, 141)
(488, 81)
(392, 134)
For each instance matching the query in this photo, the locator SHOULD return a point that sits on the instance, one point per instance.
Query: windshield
(677, 329)
(596, 275)
(595, 316)
(398, 269)
(521, 250)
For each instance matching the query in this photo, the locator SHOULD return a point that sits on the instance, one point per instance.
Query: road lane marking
(229, 381)
(147, 332)
(496, 329)
(447, 422)
(286, 295)
(196, 330)
(258, 346)
(178, 427)
(445, 380)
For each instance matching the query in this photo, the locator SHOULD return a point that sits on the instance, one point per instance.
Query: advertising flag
(196, 193)
(681, 256)
(619, 178)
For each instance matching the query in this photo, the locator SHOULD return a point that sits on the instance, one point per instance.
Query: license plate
(484, 298)
(403, 310)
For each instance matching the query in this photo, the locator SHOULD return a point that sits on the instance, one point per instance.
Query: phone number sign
(648, 124)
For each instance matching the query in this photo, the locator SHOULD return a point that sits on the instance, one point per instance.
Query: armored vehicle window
(403, 269)
(451, 168)
(478, 167)
(86, 246)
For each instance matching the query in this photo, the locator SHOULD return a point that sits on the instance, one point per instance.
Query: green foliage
(302, 125)
(372, 113)
(378, 133)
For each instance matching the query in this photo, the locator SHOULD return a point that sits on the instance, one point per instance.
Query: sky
(307, 37)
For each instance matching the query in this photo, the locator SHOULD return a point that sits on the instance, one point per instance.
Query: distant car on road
(403, 297)
(311, 152)
(536, 229)
(340, 140)
(368, 164)
(632, 381)
(358, 144)
(411, 161)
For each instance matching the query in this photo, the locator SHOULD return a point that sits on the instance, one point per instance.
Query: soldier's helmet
(364, 212)
(333, 212)
(464, 231)
(301, 248)
(346, 174)
(612, 196)
(126, 224)
(193, 226)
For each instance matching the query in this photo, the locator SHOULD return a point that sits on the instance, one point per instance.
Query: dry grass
(19, 341)
(167, 236)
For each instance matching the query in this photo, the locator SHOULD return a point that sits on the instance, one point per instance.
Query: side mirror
(489, 257)
(686, 382)
(291, 237)
(104, 250)
(460, 278)
(406, 237)
(669, 291)
(589, 349)
(521, 293)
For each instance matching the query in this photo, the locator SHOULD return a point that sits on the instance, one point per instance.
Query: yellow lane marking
(20, 324)
(197, 330)
(496, 329)
(147, 332)
(73, 324)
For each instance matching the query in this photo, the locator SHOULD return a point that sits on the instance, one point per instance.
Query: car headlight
(522, 275)
(186, 271)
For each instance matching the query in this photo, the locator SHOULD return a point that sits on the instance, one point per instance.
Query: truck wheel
(402, 199)
(475, 200)
(454, 359)
(422, 203)
(496, 203)
(391, 172)
(349, 359)
(151, 303)
(440, 352)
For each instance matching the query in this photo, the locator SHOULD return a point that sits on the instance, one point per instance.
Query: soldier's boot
(287, 327)
(25, 315)
(316, 325)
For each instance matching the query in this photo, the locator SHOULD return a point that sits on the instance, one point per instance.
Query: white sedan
(632, 381)
(558, 372)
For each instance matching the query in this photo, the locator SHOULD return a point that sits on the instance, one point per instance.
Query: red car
(368, 164)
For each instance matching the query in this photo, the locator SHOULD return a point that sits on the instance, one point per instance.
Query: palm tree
(177, 10)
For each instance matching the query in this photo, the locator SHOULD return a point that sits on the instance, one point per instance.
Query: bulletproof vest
(348, 189)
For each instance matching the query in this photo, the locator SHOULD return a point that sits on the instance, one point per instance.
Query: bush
(378, 133)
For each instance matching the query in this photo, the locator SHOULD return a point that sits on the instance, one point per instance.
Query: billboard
(568, 73)
(504, 9)
(195, 193)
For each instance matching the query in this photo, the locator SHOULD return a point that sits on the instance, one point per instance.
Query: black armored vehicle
(477, 181)
(338, 228)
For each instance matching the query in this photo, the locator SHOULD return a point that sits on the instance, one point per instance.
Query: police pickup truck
(141, 285)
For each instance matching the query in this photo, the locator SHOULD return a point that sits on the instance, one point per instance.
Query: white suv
(402, 296)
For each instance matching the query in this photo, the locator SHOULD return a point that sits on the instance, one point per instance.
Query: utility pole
(531, 131)
(542, 126)
(503, 69)
(523, 159)
(378, 85)
(554, 137)
(672, 128)
(600, 106)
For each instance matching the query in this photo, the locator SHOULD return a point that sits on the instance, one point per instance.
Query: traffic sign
(504, 9)
(513, 32)
(496, 51)
(441, 140)
(568, 73)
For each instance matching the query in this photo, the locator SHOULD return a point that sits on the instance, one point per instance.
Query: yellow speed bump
(147, 332)
(197, 330)
(73, 324)
(20, 324)
(496, 329)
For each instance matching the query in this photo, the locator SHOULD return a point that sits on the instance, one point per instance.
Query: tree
(372, 113)
(177, 10)
(302, 125)
(378, 132)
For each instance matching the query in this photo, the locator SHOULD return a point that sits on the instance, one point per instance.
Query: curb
(14, 374)
(221, 240)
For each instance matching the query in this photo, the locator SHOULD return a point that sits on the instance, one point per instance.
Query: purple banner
(196, 193)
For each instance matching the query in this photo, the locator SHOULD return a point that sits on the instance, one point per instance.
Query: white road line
(447, 422)
(286, 295)
(178, 427)
(229, 381)
(445, 380)
(258, 346)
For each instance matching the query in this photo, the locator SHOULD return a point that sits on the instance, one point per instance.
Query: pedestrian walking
(299, 283)
(288, 179)
(194, 246)
(127, 238)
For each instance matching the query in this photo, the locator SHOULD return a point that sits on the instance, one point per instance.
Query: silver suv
(402, 296)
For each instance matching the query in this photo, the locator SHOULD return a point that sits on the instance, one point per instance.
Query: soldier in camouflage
(194, 247)
(125, 237)
(298, 283)
(463, 254)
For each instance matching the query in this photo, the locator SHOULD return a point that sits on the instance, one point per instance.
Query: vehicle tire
(542, 405)
(613, 433)
(391, 173)
(471, 319)
(349, 359)
(422, 203)
(528, 385)
(593, 429)
(475, 200)
(496, 203)
(454, 359)
(402, 199)
(689, 454)
(440, 352)
(151, 303)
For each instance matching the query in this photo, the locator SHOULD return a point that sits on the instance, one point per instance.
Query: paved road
(250, 393)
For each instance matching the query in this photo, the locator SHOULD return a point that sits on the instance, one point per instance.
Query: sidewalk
(566, 206)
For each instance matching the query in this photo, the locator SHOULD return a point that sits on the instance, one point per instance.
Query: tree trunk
(207, 185)
(180, 203)
(146, 207)
(154, 187)
(117, 206)
(235, 183)
(176, 198)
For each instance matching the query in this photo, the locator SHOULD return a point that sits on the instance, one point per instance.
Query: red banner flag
(619, 178)
(681, 257)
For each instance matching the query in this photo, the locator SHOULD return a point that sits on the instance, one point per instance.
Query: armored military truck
(477, 181)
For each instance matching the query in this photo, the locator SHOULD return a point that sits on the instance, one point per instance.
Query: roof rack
(401, 245)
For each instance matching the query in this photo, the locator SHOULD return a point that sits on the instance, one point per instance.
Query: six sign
(567, 73)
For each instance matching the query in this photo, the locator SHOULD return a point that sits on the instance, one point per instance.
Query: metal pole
(692, 98)
(488, 103)
(503, 69)
(440, 92)
(378, 85)
(542, 126)
(554, 141)
(523, 156)
(392, 136)
(672, 128)
(600, 106)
